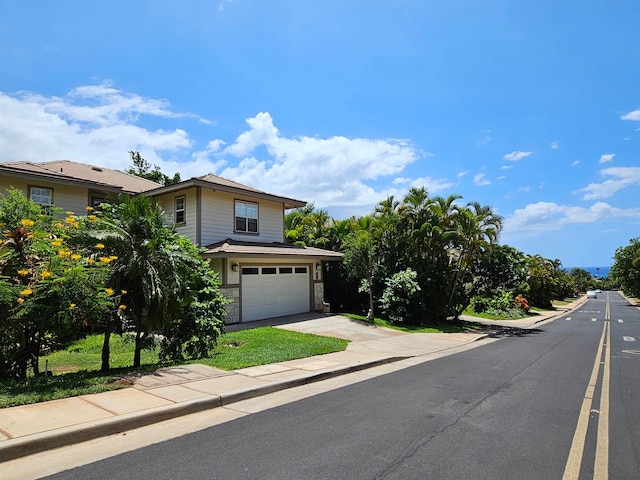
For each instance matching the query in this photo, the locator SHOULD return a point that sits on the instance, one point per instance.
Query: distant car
(598, 290)
(592, 294)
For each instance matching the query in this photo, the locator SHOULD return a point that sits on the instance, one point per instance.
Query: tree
(360, 260)
(142, 168)
(52, 288)
(626, 268)
(151, 270)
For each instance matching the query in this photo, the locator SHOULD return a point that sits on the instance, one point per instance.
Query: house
(241, 229)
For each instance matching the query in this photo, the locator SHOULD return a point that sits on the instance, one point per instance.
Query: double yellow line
(601, 466)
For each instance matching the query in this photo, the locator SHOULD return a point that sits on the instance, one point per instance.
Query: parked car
(592, 294)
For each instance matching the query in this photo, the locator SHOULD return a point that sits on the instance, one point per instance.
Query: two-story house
(241, 228)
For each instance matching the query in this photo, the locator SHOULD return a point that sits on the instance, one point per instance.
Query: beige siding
(66, 197)
(167, 201)
(218, 217)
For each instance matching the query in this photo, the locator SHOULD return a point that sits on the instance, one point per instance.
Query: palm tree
(478, 228)
(151, 270)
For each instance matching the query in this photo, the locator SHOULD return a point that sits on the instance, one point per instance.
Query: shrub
(400, 294)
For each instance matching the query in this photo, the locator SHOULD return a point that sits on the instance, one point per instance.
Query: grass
(76, 368)
(447, 327)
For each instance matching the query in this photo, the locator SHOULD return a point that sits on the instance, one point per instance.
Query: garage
(274, 291)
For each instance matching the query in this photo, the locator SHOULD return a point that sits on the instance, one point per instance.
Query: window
(41, 196)
(246, 217)
(250, 271)
(180, 210)
(268, 271)
(301, 269)
(286, 270)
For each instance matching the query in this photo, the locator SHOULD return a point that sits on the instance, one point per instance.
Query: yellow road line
(601, 467)
(574, 461)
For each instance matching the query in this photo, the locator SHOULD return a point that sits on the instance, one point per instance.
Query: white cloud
(93, 124)
(622, 177)
(516, 155)
(480, 180)
(606, 157)
(539, 218)
(328, 171)
(462, 174)
(634, 115)
(506, 167)
(554, 145)
(99, 124)
(575, 163)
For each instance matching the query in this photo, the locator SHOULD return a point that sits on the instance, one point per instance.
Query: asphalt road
(557, 403)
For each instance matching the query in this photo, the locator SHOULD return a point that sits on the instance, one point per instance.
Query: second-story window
(246, 217)
(180, 210)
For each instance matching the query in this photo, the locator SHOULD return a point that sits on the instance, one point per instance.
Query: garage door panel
(274, 291)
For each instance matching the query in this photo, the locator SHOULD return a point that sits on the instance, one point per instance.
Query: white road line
(620, 320)
(629, 339)
(593, 319)
(568, 318)
(601, 467)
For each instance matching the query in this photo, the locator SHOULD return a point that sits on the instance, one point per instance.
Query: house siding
(218, 219)
(67, 197)
(189, 229)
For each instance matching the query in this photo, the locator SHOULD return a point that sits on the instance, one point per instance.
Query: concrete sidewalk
(176, 391)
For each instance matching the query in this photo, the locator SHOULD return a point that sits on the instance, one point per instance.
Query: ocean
(602, 272)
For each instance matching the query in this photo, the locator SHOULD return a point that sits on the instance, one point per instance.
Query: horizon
(342, 104)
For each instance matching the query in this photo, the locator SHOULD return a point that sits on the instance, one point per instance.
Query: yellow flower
(113, 257)
(100, 246)
(69, 213)
(26, 292)
(58, 225)
(45, 274)
(23, 272)
(93, 218)
(20, 300)
(109, 291)
(90, 209)
(64, 253)
(57, 242)
(27, 222)
(105, 259)
(72, 306)
(122, 307)
(90, 261)
(124, 292)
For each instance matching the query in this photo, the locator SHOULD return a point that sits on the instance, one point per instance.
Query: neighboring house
(241, 228)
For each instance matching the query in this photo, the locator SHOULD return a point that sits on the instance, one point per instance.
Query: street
(560, 402)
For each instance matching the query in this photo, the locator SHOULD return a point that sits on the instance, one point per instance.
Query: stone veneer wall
(318, 296)
(233, 308)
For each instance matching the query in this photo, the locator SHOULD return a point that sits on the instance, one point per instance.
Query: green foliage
(195, 334)
(52, 288)
(142, 168)
(400, 296)
(626, 268)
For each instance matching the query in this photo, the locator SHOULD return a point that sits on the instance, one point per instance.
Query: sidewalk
(176, 391)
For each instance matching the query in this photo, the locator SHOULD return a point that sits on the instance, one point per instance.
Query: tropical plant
(52, 288)
(626, 268)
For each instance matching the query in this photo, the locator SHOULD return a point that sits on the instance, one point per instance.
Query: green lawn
(446, 327)
(75, 369)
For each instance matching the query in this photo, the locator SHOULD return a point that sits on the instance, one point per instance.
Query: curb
(20, 447)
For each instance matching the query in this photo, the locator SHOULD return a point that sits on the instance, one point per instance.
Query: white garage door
(274, 291)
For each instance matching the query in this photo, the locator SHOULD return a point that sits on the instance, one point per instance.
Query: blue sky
(530, 106)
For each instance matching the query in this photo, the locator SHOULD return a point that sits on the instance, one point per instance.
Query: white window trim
(183, 210)
(32, 187)
(246, 231)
